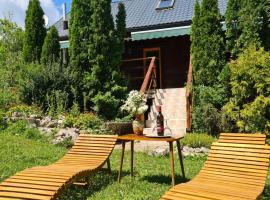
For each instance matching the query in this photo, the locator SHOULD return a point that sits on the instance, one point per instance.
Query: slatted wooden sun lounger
(87, 156)
(236, 169)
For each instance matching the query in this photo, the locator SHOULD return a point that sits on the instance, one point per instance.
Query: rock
(46, 131)
(34, 116)
(66, 133)
(45, 121)
(159, 151)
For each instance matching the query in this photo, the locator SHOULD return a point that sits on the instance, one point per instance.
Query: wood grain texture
(236, 169)
(88, 155)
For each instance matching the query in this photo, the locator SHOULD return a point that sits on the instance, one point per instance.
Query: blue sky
(15, 9)
(60, 2)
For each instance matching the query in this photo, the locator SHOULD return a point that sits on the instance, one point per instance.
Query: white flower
(135, 103)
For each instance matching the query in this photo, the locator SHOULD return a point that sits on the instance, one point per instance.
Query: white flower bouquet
(135, 103)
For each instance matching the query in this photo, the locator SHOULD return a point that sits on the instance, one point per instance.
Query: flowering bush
(135, 103)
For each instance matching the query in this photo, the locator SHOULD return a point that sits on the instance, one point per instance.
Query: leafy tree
(233, 31)
(11, 45)
(249, 106)
(35, 32)
(79, 33)
(51, 47)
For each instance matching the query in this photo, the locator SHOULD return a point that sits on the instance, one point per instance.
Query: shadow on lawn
(164, 179)
(266, 194)
(97, 182)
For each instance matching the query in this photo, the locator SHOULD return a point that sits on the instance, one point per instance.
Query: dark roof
(142, 15)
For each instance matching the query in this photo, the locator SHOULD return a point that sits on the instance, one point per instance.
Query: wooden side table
(132, 137)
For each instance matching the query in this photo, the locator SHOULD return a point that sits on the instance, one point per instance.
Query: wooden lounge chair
(87, 156)
(236, 169)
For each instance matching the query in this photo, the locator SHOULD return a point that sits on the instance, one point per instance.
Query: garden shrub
(8, 97)
(24, 110)
(46, 85)
(3, 121)
(106, 105)
(23, 129)
(197, 140)
(249, 106)
(83, 121)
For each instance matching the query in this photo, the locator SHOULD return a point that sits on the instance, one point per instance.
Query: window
(165, 4)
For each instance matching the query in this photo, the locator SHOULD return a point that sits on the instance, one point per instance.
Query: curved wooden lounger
(87, 156)
(236, 169)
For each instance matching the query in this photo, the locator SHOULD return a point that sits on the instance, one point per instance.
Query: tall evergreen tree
(101, 43)
(211, 46)
(196, 37)
(51, 47)
(121, 26)
(79, 32)
(35, 32)
(255, 23)
(233, 31)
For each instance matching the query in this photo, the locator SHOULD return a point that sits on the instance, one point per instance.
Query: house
(159, 28)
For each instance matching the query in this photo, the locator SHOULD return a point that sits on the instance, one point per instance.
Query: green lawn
(152, 175)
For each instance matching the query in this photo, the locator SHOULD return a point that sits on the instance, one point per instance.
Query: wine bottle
(160, 122)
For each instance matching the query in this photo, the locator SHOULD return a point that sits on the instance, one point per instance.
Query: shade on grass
(152, 174)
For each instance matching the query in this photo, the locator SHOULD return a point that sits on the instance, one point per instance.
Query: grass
(152, 174)
(196, 140)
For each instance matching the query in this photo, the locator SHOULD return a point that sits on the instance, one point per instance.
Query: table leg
(132, 157)
(109, 165)
(180, 158)
(122, 159)
(172, 163)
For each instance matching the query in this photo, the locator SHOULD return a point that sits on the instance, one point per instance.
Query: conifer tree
(51, 47)
(255, 23)
(101, 42)
(35, 32)
(121, 26)
(232, 29)
(195, 37)
(211, 48)
(79, 32)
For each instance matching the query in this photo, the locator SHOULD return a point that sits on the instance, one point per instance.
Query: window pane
(165, 4)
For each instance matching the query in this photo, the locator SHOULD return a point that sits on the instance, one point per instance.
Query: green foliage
(210, 74)
(83, 121)
(79, 32)
(24, 110)
(57, 101)
(208, 47)
(47, 86)
(106, 105)
(196, 140)
(121, 28)
(35, 32)
(11, 44)
(8, 97)
(23, 129)
(254, 23)
(233, 31)
(51, 47)
(249, 106)
(3, 121)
